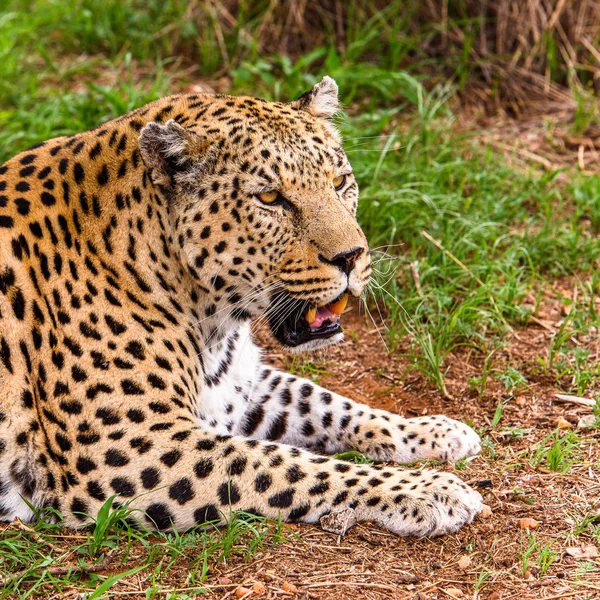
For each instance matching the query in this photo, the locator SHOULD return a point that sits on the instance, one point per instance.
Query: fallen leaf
(464, 562)
(584, 552)
(486, 512)
(528, 523)
(289, 587)
(242, 592)
(454, 592)
(259, 588)
(562, 423)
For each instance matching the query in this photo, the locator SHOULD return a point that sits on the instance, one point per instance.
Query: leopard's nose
(344, 260)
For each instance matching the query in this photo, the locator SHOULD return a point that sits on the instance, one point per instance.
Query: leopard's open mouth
(294, 323)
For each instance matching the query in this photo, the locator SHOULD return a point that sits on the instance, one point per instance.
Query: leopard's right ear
(176, 156)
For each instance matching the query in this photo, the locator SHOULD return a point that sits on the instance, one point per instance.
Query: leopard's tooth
(337, 308)
(311, 314)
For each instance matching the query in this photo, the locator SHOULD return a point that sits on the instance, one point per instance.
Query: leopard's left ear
(176, 155)
(322, 101)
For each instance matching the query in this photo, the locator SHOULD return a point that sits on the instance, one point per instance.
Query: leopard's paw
(435, 438)
(456, 440)
(393, 438)
(431, 504)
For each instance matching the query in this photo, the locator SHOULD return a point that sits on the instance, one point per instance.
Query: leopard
(134, 260)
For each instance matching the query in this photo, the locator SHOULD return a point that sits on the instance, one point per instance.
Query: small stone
(454, 592)
(339, 521)
(528, 523)
(464, 562)
(289, 587)
(586, 422)
(224, 580)
(242, 592)
(486, 511)
(520, 401)
(562, 423)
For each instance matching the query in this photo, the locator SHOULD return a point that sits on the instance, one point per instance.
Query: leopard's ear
(175, 155)
(322, 101)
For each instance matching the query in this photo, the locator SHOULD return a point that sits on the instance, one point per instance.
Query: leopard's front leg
(296, 411)
(190, 476)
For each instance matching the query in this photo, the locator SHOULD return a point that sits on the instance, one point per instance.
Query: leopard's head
(263, 202)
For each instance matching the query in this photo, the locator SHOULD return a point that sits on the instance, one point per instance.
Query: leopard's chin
(305, 327)
(317, 344)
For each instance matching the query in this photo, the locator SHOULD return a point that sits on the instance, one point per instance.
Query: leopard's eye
(268, 197)
(339, 182)
(275, 198)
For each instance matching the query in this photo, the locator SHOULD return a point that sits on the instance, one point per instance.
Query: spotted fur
(132, 258)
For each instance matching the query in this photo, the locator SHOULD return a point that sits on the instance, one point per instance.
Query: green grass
(353, 456)
(557, 452)
(498, 235)
(304, 366)
(546, 556)
(29, 557)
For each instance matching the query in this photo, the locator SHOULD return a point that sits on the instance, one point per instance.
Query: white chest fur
(231, 370)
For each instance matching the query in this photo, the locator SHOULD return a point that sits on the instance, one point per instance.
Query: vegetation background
(474, 130)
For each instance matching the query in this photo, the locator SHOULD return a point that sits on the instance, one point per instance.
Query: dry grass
(530, 43)
(526, 35)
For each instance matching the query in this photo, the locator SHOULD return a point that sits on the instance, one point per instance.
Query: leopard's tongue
(316, 316)
(321, 315)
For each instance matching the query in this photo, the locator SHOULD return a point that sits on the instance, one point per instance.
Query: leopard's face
(264, 208)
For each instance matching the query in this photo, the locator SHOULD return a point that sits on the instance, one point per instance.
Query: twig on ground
(575, 400)
(64, 569)
(542, 324)
(362, 584)
(34, 534)
(525, 154)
